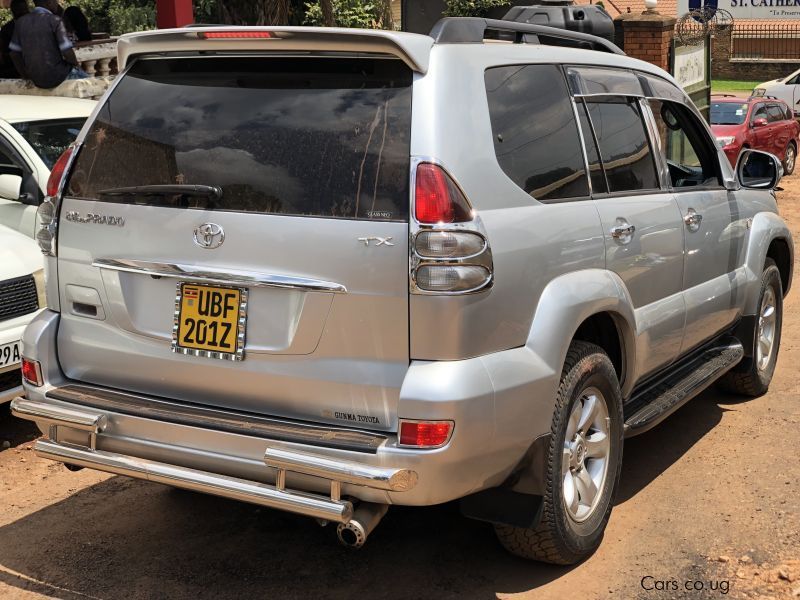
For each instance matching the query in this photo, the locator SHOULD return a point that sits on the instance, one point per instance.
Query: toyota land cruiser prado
(332, 270)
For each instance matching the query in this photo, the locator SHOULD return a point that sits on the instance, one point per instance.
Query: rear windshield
(325, 137)
(728, 113)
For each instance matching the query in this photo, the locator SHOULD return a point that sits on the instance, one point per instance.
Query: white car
(21, 298)
(785, 88)
(34, 131)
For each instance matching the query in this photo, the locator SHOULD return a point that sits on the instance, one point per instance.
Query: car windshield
(728, 113)
(50, 138)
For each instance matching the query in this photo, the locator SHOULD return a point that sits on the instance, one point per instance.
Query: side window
(760, 112)
(775, 113)
(535, 135)
(622, 139)
(690, 155)
(787, 112)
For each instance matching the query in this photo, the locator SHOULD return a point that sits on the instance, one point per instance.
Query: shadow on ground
(130, 538)
(15, 431)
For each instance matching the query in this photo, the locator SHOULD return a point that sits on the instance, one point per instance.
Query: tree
(253, 12)
(327, 13)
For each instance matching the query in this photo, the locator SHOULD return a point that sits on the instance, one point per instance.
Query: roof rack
(725, 95)
(472, 30)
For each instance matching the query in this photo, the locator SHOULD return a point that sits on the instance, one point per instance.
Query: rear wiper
(207, 191)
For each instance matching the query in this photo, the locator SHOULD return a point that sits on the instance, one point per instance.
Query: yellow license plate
(210, 321)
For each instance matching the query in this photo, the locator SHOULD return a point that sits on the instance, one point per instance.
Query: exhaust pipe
(366, 517)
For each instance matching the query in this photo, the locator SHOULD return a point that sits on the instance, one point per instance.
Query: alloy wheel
(767, 326)
(585, 457)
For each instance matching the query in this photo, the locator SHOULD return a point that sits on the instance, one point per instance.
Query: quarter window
(622, 139)
(535, 135)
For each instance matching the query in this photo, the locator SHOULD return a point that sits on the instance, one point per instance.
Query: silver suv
(328, 271)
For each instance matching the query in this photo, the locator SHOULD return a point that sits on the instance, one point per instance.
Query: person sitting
(19, 8)
(77, 25)
(41, 50)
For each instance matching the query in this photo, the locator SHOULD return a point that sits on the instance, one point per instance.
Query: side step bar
(667, 395)
(201, 481)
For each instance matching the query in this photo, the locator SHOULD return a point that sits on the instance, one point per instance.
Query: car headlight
(759, 92)
(725, 140)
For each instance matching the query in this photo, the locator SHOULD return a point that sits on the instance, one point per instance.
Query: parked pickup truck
(329, 270)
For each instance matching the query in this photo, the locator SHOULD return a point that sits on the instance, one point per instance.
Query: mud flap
(518, 502)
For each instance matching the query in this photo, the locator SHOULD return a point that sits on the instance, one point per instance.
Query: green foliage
(471, 8)
(118, 16)
(5, 15)
(205, 11)
(362, 14)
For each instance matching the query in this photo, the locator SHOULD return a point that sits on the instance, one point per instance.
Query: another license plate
(9, 355)
(210, 321)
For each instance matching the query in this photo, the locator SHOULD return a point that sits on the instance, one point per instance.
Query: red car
(758, 123)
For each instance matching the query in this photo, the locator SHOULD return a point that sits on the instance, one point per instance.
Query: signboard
(690, 65)
(747, 9)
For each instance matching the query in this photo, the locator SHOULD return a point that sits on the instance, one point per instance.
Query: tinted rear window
(322, 137)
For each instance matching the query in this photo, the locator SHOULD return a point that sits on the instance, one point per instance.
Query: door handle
(693, 220)
(623, 233)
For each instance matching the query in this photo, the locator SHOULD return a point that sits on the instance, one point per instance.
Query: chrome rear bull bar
(336, 471)
(201, 481)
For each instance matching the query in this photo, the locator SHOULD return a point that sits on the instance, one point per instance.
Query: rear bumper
(318, 475)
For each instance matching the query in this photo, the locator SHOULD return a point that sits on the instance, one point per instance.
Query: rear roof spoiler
(413, 49)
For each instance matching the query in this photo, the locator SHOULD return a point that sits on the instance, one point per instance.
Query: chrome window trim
(232, 277)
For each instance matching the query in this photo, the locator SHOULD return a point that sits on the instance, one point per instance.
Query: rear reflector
(57, 173)
(234, 35)
(425, 434)
(437, 198)
(31, 372)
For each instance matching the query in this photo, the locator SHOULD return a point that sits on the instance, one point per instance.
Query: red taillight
(31, 372)
(57, 173)
(437, 198)
(234, 35)
(425, 434)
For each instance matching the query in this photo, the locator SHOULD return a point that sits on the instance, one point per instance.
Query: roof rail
(472, 30)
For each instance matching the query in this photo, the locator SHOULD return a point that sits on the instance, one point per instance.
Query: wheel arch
(769, 238)
(591, 305)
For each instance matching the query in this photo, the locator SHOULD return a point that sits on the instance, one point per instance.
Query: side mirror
(758, 170)
(760, 122)
(10, 186)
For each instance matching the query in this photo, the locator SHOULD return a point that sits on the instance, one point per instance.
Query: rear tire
(789, 158)
(753, 375)
(584, 461)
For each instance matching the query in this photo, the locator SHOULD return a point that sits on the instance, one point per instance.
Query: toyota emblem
(209, 235)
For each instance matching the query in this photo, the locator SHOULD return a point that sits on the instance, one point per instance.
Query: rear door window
(775, 113)
(536, 137)
(622, 139)
(323, 137)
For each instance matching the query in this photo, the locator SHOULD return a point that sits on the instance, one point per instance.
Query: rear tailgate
(234, 232)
